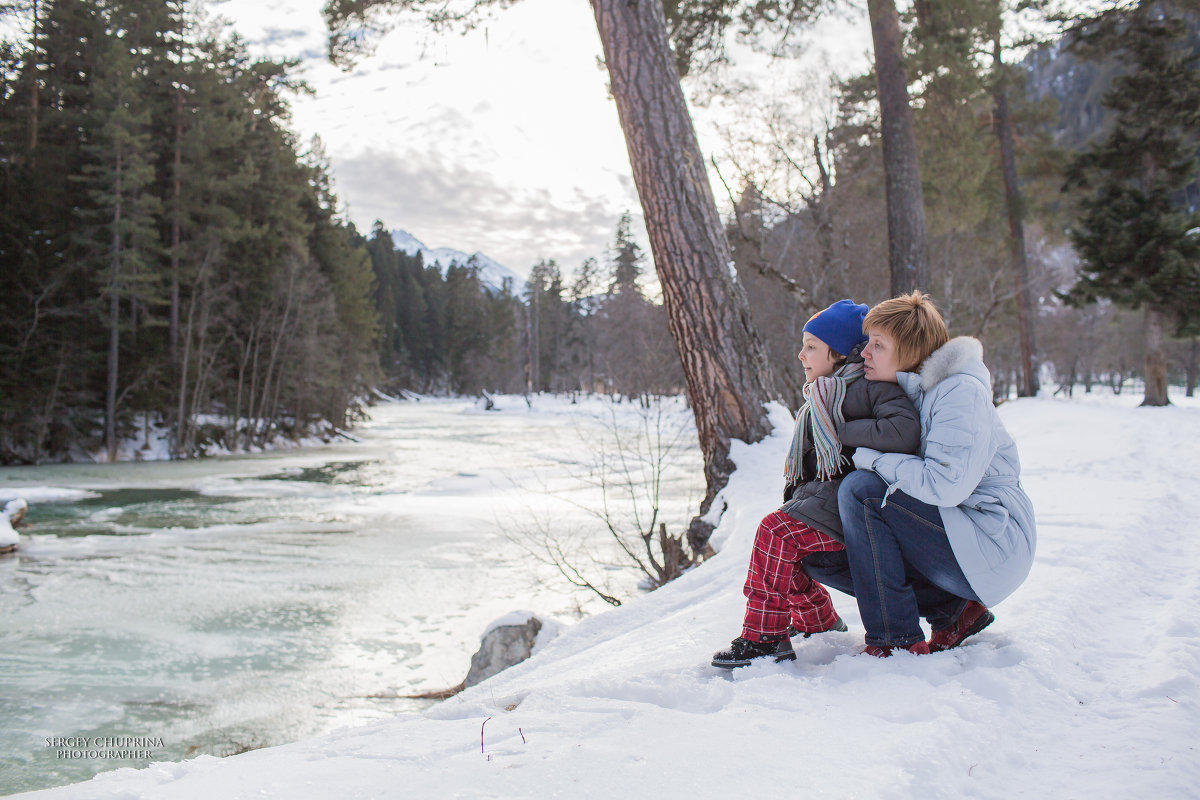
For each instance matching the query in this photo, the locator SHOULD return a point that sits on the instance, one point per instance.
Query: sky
(502, 140)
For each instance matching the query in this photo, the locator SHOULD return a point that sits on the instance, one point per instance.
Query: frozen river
(217, 605)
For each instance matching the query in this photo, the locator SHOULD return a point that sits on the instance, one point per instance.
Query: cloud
(503, 140)
(454, 205)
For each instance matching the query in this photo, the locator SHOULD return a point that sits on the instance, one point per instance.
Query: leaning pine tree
(1139, 243)
(724, 361)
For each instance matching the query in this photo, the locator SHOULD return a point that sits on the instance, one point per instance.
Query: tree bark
(1190, 367)
(35, 84)
(820, 207)
(1016, 230)
(114, 319)
(1156, 360)
(908, 258)
(724, 361)
(176, 199)
(183, 421)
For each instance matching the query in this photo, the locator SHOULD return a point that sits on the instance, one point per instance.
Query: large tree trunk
(724, 361)
(1156, 359)
(907, 254)
(1016, 230)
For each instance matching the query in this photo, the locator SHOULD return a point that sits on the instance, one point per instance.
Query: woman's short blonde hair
(913, 323)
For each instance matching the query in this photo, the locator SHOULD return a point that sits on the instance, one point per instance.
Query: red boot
(921, 648)
(974, 618)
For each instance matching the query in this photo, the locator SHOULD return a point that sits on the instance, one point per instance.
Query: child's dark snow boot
(743, 651)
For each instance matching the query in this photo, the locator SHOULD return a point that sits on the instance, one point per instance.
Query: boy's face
(880, 362)
(818, 360)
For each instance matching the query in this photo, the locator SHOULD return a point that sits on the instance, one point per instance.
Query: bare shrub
(607, 522)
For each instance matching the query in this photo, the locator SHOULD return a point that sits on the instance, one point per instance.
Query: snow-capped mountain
(491, 272)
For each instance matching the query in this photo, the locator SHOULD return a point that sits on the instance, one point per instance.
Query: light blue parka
(968, 467)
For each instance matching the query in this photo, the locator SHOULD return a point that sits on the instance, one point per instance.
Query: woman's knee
(860, 486)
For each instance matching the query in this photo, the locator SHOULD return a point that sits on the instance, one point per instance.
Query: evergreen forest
(170, 251)
(591, 330)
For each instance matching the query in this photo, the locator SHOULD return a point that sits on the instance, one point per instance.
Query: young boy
(843, 410)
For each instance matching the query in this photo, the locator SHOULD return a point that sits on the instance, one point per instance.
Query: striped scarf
(822, 412)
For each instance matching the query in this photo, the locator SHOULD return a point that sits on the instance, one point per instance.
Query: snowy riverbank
(1086, 685)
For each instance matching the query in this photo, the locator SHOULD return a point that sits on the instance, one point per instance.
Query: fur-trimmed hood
(960, 354)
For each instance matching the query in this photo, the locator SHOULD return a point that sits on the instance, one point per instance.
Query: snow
(43, 494)
(152, 442)
(511, 618)
(491, 272)
(1086, 684)
(8, 535)
(549, 631)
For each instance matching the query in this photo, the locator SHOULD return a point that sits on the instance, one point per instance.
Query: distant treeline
(445, 330)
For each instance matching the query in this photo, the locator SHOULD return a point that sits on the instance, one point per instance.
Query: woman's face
(880, 362)
(818, 360)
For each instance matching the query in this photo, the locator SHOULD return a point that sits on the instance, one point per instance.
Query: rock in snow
(503, 646)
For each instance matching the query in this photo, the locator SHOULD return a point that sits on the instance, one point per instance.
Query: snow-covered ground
(13, 510)
(1085, 686)
(153, 442)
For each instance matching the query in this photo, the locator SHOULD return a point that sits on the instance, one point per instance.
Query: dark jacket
(878, 415)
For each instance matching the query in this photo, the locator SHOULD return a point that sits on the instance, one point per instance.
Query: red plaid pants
(777, 590)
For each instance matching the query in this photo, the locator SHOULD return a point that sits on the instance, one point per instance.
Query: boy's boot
(742, 652)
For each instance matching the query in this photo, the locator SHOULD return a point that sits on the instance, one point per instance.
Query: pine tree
(547, 326)
(342, 257)
(386, 296)
(627, 259)
(47, 364)
(967, 92)
(585, 303)
(465, 333)
(117, 232)
(1134, 235)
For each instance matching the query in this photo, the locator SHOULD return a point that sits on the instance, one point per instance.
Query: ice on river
(247, 601)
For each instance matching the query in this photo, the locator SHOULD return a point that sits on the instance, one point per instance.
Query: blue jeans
(897, 563)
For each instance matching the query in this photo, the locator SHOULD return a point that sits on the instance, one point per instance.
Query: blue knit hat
(839, 326)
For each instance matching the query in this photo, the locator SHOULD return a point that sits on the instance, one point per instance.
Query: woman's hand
(864, 458)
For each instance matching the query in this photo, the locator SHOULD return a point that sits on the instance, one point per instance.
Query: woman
(943, 534)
